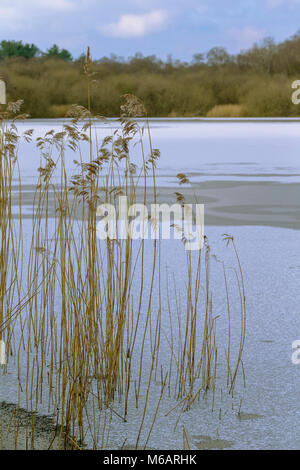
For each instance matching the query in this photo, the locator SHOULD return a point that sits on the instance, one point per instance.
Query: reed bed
(83, 320)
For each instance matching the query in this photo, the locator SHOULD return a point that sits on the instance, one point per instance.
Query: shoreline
(179, 118)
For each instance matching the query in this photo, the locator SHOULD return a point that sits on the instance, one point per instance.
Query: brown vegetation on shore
(256, 82)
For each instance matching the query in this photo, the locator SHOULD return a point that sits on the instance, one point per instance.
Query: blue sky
(124, 27)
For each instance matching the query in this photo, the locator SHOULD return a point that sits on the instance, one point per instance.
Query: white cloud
(246, 37)
(136, 25)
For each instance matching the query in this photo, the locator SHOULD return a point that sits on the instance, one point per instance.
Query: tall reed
(82, 317)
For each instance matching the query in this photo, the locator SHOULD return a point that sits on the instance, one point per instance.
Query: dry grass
(227, 110)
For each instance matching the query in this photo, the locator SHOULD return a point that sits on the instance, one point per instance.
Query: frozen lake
(208, 149)
(247, 172)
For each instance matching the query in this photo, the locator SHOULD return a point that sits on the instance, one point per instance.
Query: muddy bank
(16, 430)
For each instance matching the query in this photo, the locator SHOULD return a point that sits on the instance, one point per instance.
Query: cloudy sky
(124, 27)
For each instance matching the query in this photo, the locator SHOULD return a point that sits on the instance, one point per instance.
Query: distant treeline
(256, 82)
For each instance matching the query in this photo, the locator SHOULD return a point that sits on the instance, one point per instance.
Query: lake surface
(209, 150)
(247, 172)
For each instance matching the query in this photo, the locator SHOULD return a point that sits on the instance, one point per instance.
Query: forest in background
(253, 83)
